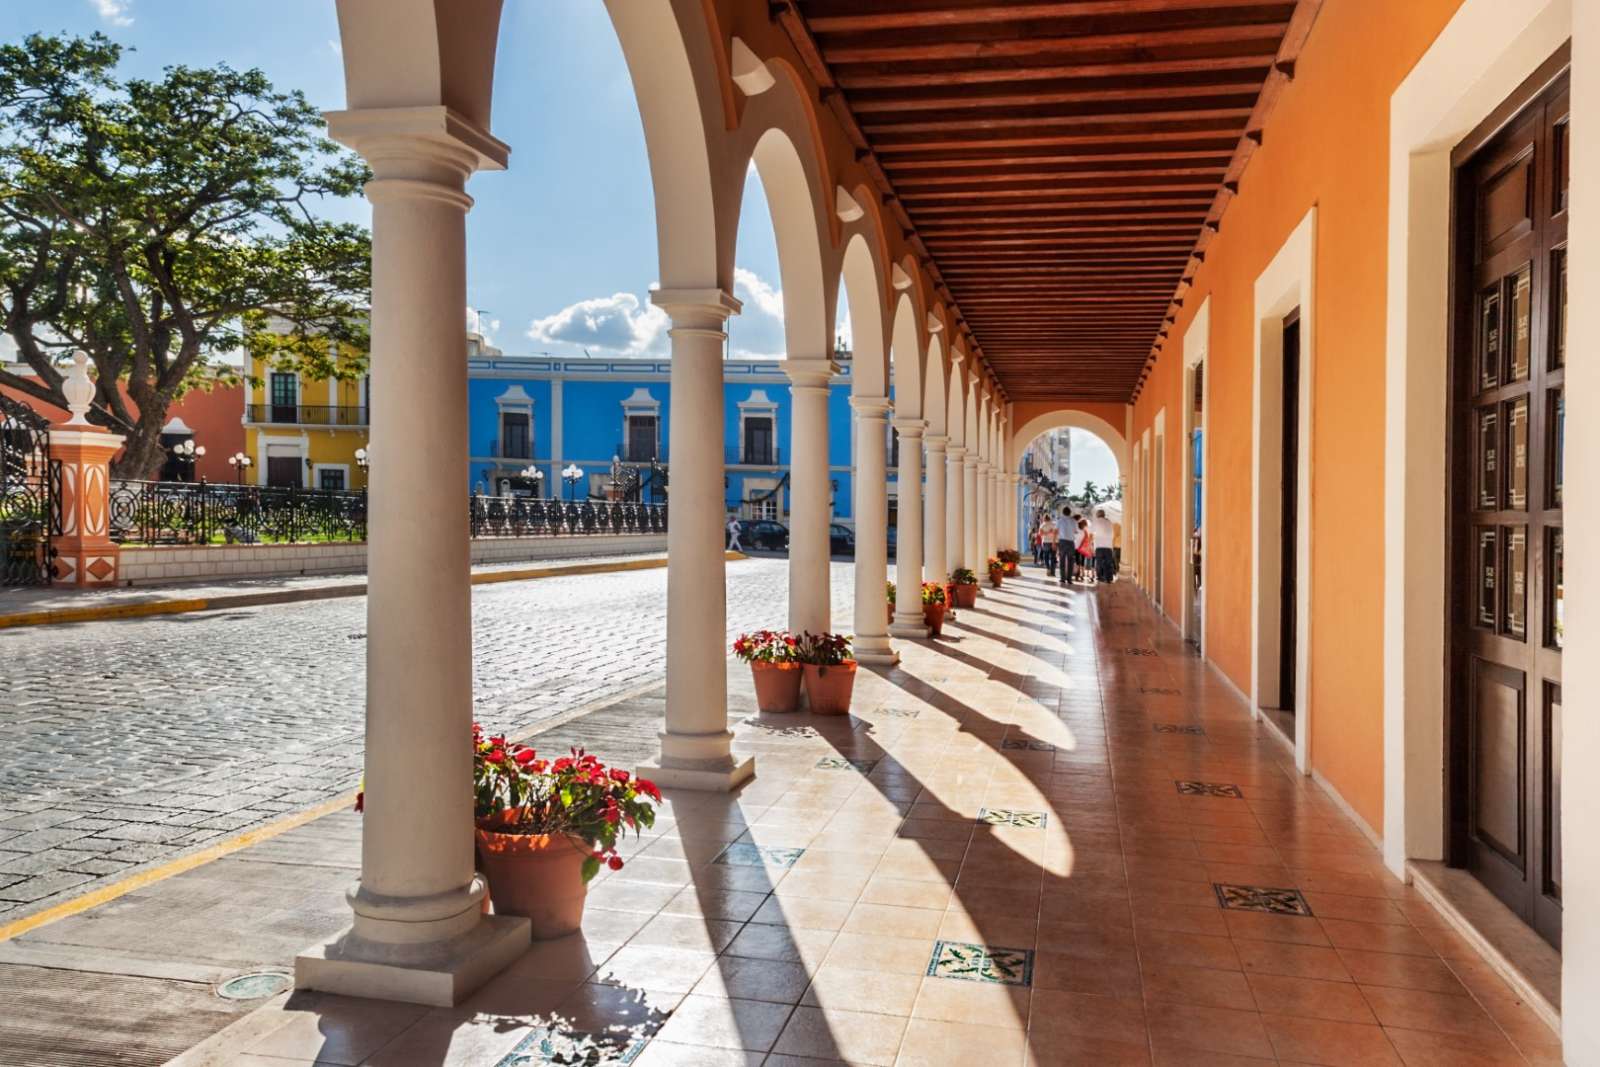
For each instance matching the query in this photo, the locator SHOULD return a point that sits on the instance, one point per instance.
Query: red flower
(525, 756)
(615, 863)
(613, 816)
(562, 764)
(648, 788)
(619, 775)
(496, 755)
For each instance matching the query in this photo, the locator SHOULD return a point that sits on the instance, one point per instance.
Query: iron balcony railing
(307, 414)
(770, 456)
(639, 453)
(198, 513)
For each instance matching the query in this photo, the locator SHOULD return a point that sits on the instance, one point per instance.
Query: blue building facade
(549, 414)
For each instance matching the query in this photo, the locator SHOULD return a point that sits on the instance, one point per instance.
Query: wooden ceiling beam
(836, 16)
(905, 77)
(935, 45)
(1214, 114)
(1126, 93)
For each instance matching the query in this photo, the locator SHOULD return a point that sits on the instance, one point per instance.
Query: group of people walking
(1080, 546)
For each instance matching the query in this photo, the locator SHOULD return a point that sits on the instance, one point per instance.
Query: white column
(872, 530)
(955, 509)
(985, 487)
(418, 932)
(936, 559)
(908, 543)
(1014, 538)
(696, 746)
(969, 515)
(810, 511)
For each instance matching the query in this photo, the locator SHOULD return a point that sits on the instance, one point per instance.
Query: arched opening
(1072, 475)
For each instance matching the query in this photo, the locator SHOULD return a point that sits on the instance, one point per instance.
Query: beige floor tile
(668, 970)
(888, 920)
(891, 955)
(840, 985)
(754, 979)
(848, 1036)
(978, 1003)
(932, 1043)
(719, 1022)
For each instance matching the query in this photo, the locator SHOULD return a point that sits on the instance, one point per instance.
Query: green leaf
(591, 867)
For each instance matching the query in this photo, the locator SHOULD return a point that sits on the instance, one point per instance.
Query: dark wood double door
(1508, 355)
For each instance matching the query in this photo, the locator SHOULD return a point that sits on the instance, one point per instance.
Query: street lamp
(535, 475)
(570, 474)
(187, 451)
(240, 463)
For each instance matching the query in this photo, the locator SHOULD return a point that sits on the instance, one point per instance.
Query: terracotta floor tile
(1425, 1048)
(1057, 1014)
(932, 1043)
(723, 1023)
(1176, 1026)
(1311, 998)
(1196, 950)
(1086, 940)
(847, 1036)
(1205, 986)
(1376, 937)
(1323, 1041)
(1402, 971)
(1355, 908)
(1261, 926)
(1102, 977)
(754, 979)
(1416, 1009)
(1086, 1048)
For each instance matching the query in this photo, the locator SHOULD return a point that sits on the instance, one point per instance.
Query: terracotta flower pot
(994, 579)
(966, 595)
(777, 685)
(1011, 570)
(828, 689)
(891, 612)
(539, 876)
(933, 616)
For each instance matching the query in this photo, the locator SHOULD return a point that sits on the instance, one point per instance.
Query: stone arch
(1064, 418)
(863, 283)
(934, 392)
(909, 357)
(420, 53)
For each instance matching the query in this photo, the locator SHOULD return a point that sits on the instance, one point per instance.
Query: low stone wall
(143, 566)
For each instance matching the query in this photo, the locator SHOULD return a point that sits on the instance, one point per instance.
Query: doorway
(1507, 414)
(1289, 523)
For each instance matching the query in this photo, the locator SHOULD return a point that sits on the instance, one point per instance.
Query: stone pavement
(1050, 837)
(127, 743)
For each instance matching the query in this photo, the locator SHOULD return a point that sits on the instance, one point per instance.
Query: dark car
(764, 535)
(841, 540)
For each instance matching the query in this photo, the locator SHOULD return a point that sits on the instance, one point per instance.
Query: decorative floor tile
(840, 763)
(1179, 728)
(1163, 690)
(1209, 789)
(900, 713)
(744, 854)
(1024, 743)
(981, 963)
(578, 1048)
(1025, 820)
(1138, 652)
(1261, 898)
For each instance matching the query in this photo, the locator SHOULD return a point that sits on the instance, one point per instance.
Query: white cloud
(479, 323)
(114, 11)
(616, 323)
(756, 290)
(336, 48)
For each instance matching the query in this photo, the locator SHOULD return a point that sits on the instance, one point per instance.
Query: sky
(561, 247)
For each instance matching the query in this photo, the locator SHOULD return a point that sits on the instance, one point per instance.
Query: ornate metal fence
(191, 513)
(513, 516)
(30, 497)
(188, 513)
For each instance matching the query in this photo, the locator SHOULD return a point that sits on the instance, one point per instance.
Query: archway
(1074, 463)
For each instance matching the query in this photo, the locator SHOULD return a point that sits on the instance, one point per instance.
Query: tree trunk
(142, 455)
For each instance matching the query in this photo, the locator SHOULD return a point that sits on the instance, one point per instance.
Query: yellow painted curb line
(140, 879)
(178, 607)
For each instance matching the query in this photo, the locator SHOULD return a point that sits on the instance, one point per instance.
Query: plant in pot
(891, 602)
(545, 827)
(1011, 559)
(964, 584)
(933, 605)
(830, 672)
(996, 570)
(776, 672)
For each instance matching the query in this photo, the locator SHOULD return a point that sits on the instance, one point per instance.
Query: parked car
(841, 540)
(764, 535)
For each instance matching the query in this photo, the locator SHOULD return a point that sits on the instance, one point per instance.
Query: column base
(910, 626)
(713, 777)
(875, 649)
(441, 975)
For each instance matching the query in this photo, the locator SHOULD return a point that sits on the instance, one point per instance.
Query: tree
(157, 223)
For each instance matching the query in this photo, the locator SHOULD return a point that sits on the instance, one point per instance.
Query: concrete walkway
(1049, 837)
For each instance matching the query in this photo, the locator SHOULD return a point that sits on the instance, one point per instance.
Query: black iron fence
(308, 414)
(190, 513)
(513, 516)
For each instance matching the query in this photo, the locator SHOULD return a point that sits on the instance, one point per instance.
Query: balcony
(306, 415)
(638, 452)
(761, 456)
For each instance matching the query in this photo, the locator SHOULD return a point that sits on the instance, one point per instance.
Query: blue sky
(562, 246)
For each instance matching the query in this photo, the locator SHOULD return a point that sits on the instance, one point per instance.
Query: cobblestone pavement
(127, 743)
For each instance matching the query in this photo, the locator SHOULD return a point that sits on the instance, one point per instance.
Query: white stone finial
(846, 206)
(78, 390)
(749, 73)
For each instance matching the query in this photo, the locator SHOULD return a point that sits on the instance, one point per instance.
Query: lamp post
(187, 452)
(570, 474)
(240, 463)
(535, 475)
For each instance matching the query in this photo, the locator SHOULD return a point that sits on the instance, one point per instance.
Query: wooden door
(1508, 353)
(1289, 516)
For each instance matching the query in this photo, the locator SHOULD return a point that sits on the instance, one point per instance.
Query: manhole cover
(254, 986)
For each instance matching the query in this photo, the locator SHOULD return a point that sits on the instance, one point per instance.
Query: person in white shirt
(733, 534)
(1105, 558)
(1047, 544)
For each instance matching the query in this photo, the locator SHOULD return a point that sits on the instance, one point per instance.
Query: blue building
(549, 414)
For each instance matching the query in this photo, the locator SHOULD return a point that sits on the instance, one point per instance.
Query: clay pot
(994, 579)
(933, 616)
(828, 689)
(965, 595)
(777, 685)
(538, 876)
(1011, 570)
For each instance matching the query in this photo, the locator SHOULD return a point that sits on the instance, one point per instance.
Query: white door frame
(1196, 346)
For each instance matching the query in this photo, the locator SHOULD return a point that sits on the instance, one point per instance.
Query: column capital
(934, 442)
(956, 451)
(809, 373)
(908, 427)
(411, 142)
(871, 407)
(696, 308)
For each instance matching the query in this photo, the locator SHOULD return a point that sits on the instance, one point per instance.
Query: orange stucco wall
(1326, 144)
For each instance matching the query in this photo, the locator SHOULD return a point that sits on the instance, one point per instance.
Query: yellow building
(304, 431)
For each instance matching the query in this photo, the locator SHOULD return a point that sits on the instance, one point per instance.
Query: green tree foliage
(156, 223)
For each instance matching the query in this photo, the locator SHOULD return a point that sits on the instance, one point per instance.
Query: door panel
(1508, 354)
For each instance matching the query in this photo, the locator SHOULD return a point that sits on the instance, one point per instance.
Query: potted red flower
(891, 603)
(965, 586)
(1010, 558)
(996, 570)
(776, 672)
(933, 606)
(830, 672)
(545, 827)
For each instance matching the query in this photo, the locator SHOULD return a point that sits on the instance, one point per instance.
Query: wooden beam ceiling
(1058, 163)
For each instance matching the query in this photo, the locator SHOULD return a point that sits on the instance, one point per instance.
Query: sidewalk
(54, 605)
